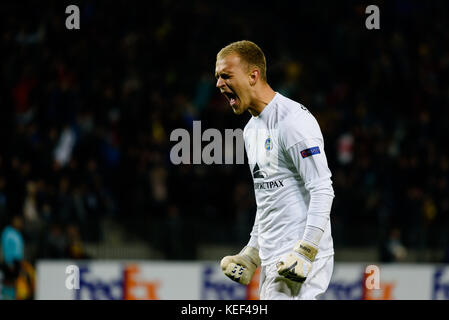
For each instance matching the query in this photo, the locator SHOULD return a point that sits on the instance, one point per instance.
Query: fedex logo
(215, 286)
(345, 290)
(91, 287)
(440, 288)
(367, 286)
(126, 286)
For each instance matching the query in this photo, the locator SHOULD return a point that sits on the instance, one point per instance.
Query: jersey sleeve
(253, 241)
(305, 147)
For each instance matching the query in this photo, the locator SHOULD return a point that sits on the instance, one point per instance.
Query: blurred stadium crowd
(86, 117)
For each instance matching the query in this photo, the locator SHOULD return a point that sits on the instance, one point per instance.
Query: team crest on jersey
(268, 144)
(310, 152)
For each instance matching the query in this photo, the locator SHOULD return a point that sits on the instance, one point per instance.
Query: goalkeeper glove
(242, 266)
(297, 264)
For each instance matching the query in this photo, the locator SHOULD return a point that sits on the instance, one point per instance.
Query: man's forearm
(319, 210)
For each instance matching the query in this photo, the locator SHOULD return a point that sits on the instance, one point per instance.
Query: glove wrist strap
(306, 249)
(252, 254)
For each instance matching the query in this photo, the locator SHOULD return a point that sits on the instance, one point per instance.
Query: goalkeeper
(291, 237)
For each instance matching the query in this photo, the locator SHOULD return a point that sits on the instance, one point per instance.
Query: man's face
(233, 80)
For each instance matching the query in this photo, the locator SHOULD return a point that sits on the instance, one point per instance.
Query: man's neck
(262, 97)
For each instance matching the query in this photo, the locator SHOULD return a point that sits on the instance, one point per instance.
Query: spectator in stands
(12, 245)
(75, 246)
(393, 249)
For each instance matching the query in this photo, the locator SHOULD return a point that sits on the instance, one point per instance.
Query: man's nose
(220, 83)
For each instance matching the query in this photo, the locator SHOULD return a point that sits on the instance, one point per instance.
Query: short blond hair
(249, 52)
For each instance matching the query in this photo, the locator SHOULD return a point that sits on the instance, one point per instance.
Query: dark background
(136, 70)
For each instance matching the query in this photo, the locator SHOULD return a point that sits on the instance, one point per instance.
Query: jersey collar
(267, 108)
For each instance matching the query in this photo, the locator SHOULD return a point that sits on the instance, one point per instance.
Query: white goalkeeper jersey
(286, 156)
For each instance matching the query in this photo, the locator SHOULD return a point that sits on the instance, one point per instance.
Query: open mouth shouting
(232, 97)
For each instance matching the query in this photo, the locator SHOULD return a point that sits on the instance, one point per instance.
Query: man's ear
(254, 77)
